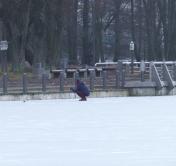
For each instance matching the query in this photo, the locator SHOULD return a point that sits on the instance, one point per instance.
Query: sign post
(132, 56)
(3, 48)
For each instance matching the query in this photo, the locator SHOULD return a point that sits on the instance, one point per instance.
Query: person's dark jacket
(81, 87)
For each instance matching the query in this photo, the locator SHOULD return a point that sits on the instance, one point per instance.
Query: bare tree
(72, 30)
(86, 40)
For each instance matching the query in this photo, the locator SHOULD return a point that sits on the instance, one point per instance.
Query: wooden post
(24, 83)
(85, 74)
(76, 76)
(120, 78)
(117, 79)
(150, 71)
(61, 80)
(104, 79)
(142, 70)
(92, 79)
(43, 83)
(174, 72)
(5, 83)
(123, 78)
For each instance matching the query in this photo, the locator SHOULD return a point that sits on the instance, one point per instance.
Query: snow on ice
(137, 131)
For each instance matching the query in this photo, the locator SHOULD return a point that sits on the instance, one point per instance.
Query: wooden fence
(102, 77)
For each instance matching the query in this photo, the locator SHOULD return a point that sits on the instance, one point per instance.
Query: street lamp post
(3, 48)
(132, 56)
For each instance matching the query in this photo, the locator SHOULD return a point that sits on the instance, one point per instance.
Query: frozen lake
(99, 132)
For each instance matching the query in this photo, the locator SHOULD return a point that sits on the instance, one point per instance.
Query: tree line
(87, 31)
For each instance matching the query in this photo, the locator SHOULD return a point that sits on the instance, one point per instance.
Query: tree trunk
(98, 32)
(24, 35)
(72, 31)
(86, 42)
(117, 49)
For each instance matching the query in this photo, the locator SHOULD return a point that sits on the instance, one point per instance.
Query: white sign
(3, 45)
(131, 46)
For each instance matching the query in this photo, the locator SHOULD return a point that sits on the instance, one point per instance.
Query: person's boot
(83, 99)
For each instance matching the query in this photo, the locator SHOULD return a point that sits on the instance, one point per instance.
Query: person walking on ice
(81, 90)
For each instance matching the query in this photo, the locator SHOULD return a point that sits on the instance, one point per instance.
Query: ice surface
(99, 132)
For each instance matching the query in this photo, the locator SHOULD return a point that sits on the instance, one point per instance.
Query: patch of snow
(137, 131)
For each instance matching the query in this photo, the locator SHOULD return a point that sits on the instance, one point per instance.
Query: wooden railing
(103, 76)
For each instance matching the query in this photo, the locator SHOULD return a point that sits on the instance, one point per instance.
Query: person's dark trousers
(80, 94)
